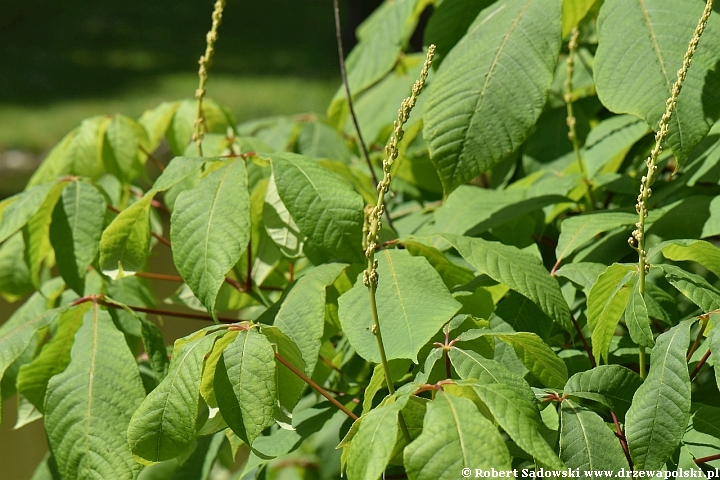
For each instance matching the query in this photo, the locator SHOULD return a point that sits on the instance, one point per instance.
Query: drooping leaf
(36, 234)
(21, 208)
(491, 88)
(89, 405)
(660, 411)
(372, 446)
(279, 225)
(245, 385)
(15, 278)
(17, 332)
(163, 426)
(33, 378)
(452, 274)
(587, 444)
(606, 303)
(210, 229)
(289, 386)
(700, 251)
(694, 287)
(179, 169)
(584, 274)
(608, 143)
(576, 231)
(122, 155)
(611, 385)
(702, 438)
(714, 345)
(637, 319)
(523, 315)
(326, 210)
(125, 243)
(521, 271)
(455, 435)
(412, 301)
(77, 226)
(641, 45)
(449, 23)
(302, 314)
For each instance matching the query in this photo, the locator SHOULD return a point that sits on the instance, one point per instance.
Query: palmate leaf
(125, 243)
(89, 405)
(163, 426)
(586, 443)
(606, 303)
(412, 301)
(302, 314)
(660, 411)
(611, 385)
(325, 208)
(245, 385)
(641, 44)
(33, 378)
(372, 446)
(20, 208)
(521, 271)
(491, 88)
(17, 333)
(455, 435)
(77, 225)
(210, 229)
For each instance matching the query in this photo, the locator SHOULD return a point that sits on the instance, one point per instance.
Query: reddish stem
(699, 365)
(623, 441)
(248, 273)
(708, 458)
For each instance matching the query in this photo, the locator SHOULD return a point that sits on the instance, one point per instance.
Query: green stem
(571, 120)
(642, 362)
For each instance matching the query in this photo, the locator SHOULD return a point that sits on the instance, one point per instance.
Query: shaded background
(66, 60)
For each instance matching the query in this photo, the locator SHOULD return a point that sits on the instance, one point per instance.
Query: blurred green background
(66, 60)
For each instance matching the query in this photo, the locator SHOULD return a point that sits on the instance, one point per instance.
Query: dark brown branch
(623, 441)
(696, 343)
(160, 276)
(708, 458)
(584, 342)
(315, 386)
(699, 365)
(157, 162)
(343, 74)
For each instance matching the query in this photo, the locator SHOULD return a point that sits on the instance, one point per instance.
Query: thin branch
(623, 441)
(708, 458)
(161, 239)
(696, 344)
(160, 276)
(699, 365)
(584, 342)
(157, 162)
(315, 386)
(248, 273)
(343, 74)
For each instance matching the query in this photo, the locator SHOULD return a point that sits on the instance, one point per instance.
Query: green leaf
(470, 365)
(15, 278)
(491, 88)
(523, 315)
(660, 411)
(609, 142)
(125, 243)
(54, 357)
(521, 271)
(694, 287)
(700, 251)
(178, 170)
(372, 446)
(163, 427)
(611, 385)
(319, 140)
(289, 386)
(714, 345)
(584, 274)
(606, 303)
(520, 419)
(455, 435)
(200, 463)
(302, 314)
(17, 332)
(180, 128)
(325, 208)
(702, 437)
(641, 47)
(22, 207)
(124, 138)
(578, 230)
(587, 444)
(210, 229)
(538, 357)
(573, 12)
(637, 319)
(88, 406)
(245, 385)
(452, 274)
(207, 385)
(77, 226)
(36, 234)
(279, 225)
(449, 22)
(412, 302)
